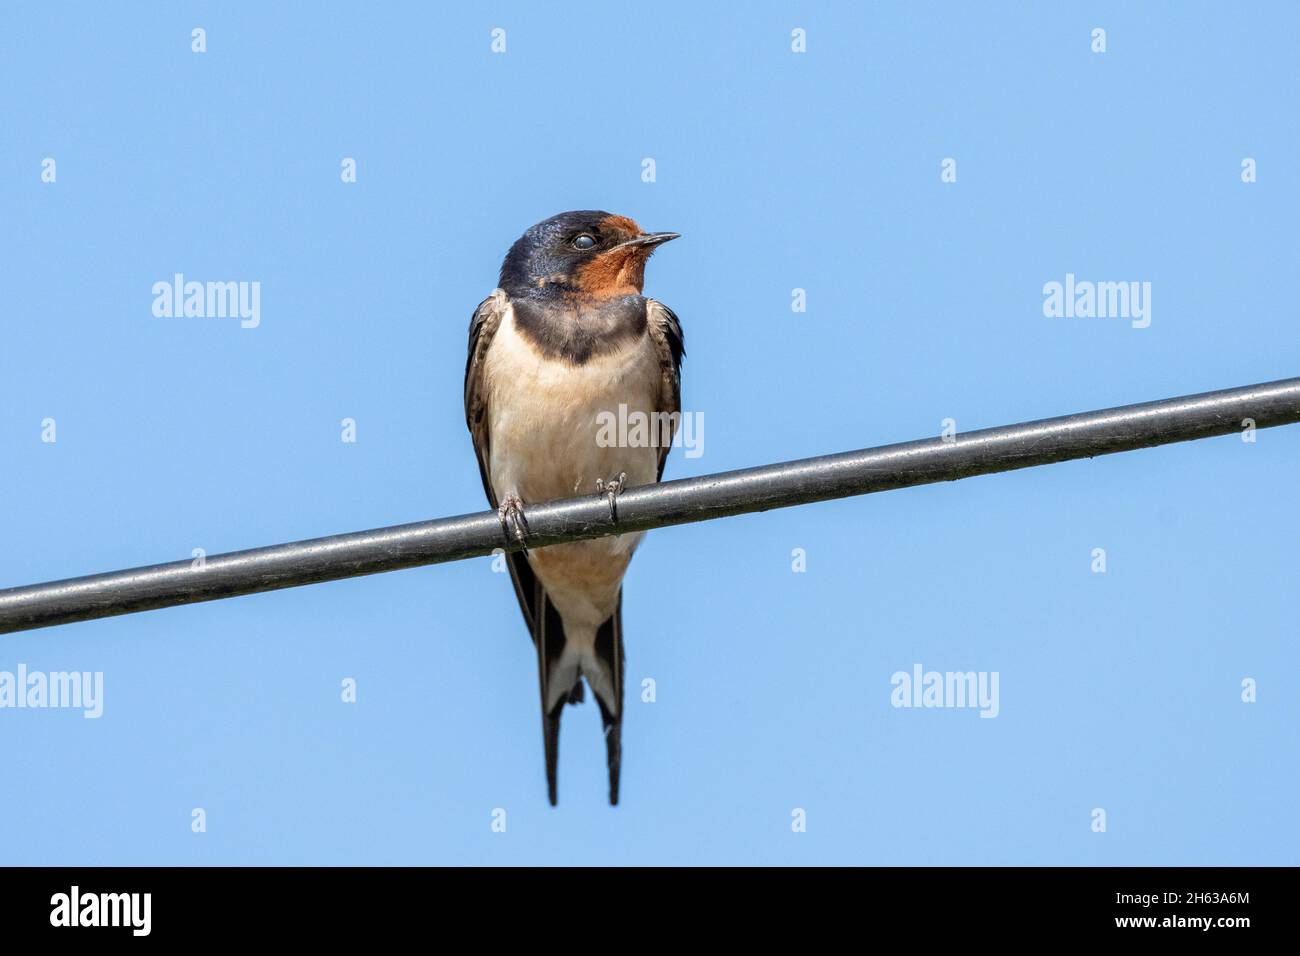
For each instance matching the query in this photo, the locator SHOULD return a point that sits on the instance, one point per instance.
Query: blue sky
(782, 170)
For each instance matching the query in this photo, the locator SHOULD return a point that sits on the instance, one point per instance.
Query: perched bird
(565, 337)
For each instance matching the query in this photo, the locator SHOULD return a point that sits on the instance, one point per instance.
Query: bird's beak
(649, 240)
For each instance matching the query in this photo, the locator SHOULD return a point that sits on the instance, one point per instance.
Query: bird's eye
(584, 241)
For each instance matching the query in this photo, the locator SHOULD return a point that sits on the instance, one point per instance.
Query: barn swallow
(566, 336)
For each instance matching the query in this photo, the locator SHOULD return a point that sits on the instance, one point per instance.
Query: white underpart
(543, 422)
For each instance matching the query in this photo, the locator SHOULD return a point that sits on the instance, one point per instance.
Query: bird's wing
(482, 327)
(666, 333)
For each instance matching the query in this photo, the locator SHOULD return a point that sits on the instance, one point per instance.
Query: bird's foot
(513, 521)
(612, 489)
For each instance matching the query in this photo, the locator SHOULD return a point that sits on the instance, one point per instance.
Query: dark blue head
(582, 253)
